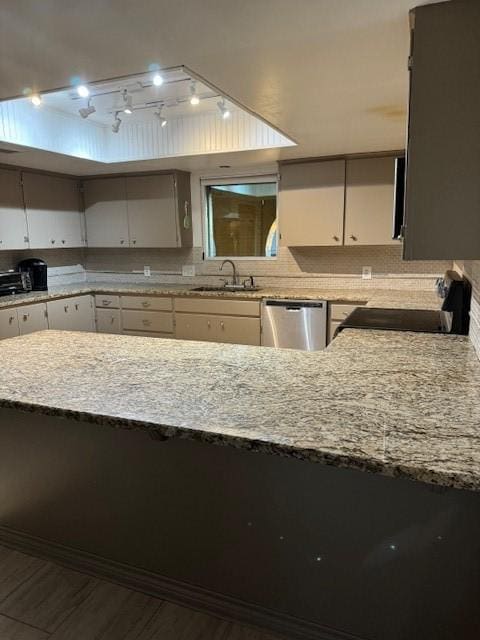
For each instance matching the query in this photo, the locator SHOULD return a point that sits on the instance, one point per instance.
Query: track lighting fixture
(83, 91)
(127, 101)
(88, 110)
(36, 99)
(157, 80)
(194, 99)
(117, 123)
(162, 121)
(224, 110)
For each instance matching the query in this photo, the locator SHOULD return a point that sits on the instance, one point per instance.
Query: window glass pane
(242, 219)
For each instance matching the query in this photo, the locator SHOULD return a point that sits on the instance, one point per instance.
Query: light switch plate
(146, 271)
(366, 273)
(188, 270)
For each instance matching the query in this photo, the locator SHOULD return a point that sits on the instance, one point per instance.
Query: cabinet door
(237, 330)
(53, 211)
(152, 211)
(32, 317)
(194, 326)
(71, 314)
(311, 203)
(13, 220)
(106, 212)
(443, 187)
(369, 201)
(8, 323)
(108, 320)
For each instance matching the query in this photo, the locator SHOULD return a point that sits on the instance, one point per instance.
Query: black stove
(454, 293)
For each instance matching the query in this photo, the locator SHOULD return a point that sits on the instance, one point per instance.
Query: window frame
(227, 180)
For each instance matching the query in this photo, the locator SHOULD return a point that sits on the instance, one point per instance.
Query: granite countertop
(386, 298)
(400, 404)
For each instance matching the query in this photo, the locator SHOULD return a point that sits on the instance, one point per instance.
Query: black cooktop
(396, 320)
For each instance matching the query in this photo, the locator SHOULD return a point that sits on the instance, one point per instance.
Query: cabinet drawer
(8, 323)
(32, 317)
(147, 302)
(211, 328)
(108, 320)
(107, 301)
(218, 306)
(341, 311)
(154, 321)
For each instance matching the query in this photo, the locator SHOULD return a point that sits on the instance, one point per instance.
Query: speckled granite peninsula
(375, 401)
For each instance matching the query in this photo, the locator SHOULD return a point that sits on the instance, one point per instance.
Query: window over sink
(241, 217)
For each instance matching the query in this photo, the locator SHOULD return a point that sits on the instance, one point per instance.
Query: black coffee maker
(37, 270)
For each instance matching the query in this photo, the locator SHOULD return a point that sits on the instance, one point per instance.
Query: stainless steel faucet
(234, 276)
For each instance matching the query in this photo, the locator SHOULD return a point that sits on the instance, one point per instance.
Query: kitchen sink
(227, 288)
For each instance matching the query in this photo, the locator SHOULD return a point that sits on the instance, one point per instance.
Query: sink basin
(227, 288)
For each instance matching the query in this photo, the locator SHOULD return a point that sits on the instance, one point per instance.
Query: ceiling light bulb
(116, 124)
(157, 80)
(224, 110)
(194, 99)
(163, 121)
(83, 91)
(36, 99)
(88, 110)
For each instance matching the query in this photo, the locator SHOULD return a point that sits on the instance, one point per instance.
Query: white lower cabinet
(108, 320)
(8, 323)
(71, 314)
(32, 317)
(156, 321)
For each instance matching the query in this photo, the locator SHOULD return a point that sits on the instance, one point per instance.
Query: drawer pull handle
(145, 303)
(66, 308)
(209, 324)
(112, 319)
(25, 316)
(336, 238)
(76, 307)
(106, 302)
(11, 319)
(354, 238)
(146, 322)
(222, 324)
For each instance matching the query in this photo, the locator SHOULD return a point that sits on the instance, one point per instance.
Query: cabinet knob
(25, 316)
(336, 238)
(63, 241)
(354, 238)
(122, 241)
(11, 319)
(134, 242)
(52, 241)
(209, 324)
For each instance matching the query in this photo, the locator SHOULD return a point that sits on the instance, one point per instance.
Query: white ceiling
(331, 74)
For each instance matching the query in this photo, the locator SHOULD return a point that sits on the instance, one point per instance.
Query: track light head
(157, 80)
(194, 99)
(36, 99)
(127, 102)
(117, 123)
(88, 110)
(162, 121)
(224, 110)
(83, 91)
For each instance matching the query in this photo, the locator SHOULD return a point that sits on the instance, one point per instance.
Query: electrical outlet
(188, 270)
(366, 273)
(146, 271)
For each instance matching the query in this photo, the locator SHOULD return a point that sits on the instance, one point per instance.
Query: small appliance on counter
(14, 282)
(37, 270)
(453, 317)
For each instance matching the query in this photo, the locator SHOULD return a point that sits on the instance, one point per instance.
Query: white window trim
(234, 179)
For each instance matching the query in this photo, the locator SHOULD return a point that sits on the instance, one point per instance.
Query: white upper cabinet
(13, 220)
(311, 203)
(152, 211)
(369, 201)
(106, 212)
(139, 211)
(53, 211)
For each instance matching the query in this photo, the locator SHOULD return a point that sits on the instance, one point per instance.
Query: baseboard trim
(172, 590)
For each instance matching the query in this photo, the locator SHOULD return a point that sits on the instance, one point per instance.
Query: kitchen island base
(296, 546)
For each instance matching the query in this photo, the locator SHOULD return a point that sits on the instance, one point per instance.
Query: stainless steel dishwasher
(294, 324)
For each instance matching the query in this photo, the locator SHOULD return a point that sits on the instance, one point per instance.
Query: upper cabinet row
(40, 211)
(337, 202)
